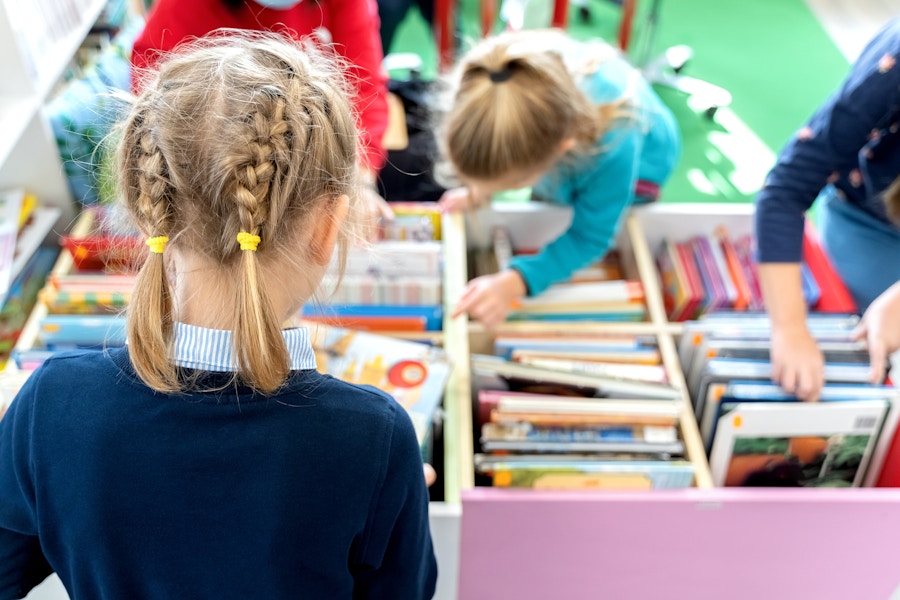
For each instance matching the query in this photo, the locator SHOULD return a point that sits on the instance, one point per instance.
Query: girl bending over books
(208, 457)
(844, 159)
(573, 120)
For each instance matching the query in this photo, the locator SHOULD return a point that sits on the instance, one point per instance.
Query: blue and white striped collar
(210, 349)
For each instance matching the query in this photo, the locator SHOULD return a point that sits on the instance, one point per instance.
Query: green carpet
(772, 55)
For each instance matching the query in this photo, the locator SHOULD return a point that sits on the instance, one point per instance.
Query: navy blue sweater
(852, 141)
(316, 492)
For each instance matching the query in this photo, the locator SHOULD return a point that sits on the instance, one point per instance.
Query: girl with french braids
(209, 458)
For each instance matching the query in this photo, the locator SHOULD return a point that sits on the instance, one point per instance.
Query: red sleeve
(354, 30)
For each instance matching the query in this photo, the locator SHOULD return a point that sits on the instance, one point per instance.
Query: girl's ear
(326, 229)
(566, 145)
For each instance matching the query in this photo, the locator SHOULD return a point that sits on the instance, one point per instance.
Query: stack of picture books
(392, 285)
(716, 272)
(545, 426)
(757, 435)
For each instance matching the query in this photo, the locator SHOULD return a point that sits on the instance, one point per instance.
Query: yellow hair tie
(248, 241)
(158, 244)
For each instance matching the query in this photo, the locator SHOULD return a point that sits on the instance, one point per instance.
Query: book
(431, 317)
(675, 287)
(63, 332)
(413, 373)
(648, 373)
(743, 293)
(795, 445)
(589, 475)
(640, 356)
(662, 448)
(11, 202)
(602, 385)
(755, 391)
(22, 297)
(595, 292)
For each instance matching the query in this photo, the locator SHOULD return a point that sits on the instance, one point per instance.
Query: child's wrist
(514, 284)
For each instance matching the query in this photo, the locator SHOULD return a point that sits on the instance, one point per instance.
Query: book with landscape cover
(803, 444)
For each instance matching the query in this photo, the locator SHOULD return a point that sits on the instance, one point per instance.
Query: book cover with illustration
(795, 445)
(414, 373)
(590, 475)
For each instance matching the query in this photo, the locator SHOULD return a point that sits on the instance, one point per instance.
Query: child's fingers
(465, 302)
(877, 359)
(860, 331)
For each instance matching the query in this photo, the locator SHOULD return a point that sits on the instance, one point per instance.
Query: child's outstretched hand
(489, 299)
(880, 327)
(455, 199)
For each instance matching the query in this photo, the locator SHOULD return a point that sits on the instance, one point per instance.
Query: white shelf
(53, 63)
(15, 114)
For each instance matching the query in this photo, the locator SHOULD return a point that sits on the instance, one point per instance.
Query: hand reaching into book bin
(489, 299)
(880, 327)
(798, 365)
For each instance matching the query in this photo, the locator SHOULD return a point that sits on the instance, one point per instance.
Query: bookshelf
(38, 38)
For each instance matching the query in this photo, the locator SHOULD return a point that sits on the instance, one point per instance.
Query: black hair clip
(500, 76)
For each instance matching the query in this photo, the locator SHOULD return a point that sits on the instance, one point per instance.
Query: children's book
(22, 297)
(822, 444)
(415, 374)
(756, 391)
(598, 292)
(743, 293)
(430, 318)
(11, 202)
(563, 447)
(675, 287)
(601, 385)
(593, 475)
(648, 373)
(63, 332)
(698, 291)
(716, 260)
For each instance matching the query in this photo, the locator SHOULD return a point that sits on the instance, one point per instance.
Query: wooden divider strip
(459, 467)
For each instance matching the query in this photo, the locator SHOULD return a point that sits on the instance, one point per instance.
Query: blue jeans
(864, 250)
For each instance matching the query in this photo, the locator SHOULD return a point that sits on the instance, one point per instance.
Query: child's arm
(397, 558)
(827, 148)
(601, 195)
(22, 563)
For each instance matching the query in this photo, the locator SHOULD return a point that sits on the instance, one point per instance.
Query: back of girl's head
(513, 104)
(245, 134)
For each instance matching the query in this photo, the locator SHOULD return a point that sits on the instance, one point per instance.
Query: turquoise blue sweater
(600, 185)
